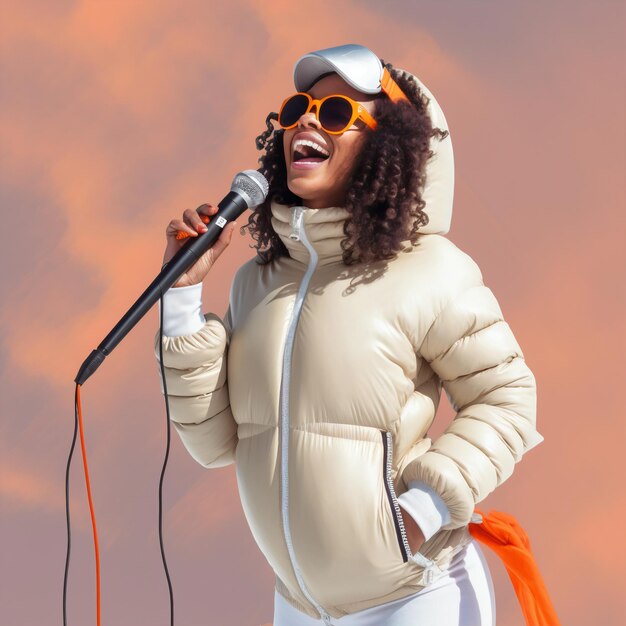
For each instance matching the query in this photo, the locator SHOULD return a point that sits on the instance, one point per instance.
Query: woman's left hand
(413, 532)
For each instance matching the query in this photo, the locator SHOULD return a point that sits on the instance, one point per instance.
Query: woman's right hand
(192, 224)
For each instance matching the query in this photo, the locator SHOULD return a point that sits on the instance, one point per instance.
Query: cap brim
(357, 65)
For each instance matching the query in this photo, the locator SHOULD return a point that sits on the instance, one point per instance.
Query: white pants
(462, 596)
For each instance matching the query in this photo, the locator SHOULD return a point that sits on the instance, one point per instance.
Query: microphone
(248, 190)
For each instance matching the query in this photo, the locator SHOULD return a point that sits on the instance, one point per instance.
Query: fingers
(179, 230)
(206, 209)
(194, 223)
(224, 239)
(197, 220)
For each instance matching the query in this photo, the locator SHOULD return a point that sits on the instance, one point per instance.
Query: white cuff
(182, 310)
(425, 506)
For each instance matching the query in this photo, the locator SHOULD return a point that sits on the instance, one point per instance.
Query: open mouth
(308, 152)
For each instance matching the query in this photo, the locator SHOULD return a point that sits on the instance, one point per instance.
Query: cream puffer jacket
(321, 383)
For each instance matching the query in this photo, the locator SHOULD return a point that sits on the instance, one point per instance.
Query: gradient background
(117, 116)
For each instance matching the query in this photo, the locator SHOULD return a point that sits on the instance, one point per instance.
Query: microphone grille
(252, 186)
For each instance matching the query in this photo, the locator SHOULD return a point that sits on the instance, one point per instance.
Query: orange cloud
(21, 489)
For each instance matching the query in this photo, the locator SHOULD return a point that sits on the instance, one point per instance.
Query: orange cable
(93, 516)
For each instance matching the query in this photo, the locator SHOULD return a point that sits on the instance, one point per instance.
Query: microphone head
(252, 186)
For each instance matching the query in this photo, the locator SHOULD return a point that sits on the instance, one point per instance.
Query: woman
(322, 380)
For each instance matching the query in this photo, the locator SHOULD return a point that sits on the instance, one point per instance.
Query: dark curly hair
(384, 193)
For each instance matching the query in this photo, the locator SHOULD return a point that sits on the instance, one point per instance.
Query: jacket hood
(439, 188)
(324, 227)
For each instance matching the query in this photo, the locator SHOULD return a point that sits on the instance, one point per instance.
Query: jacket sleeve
(182, 310)
(195, 366)
(473, 351)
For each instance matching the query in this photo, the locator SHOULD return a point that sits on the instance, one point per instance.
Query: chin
(308, 192)
(306, 185)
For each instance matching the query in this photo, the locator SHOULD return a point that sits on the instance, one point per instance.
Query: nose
(309, 119)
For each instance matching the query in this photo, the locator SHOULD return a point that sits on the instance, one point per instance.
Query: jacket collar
(323, 229)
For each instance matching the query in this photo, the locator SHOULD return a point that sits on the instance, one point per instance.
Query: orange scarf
(503, 534)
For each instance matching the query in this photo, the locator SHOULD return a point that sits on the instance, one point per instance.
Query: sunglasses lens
(293, 110)
(335, 114)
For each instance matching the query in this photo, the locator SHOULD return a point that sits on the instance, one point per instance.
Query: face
(326, 184)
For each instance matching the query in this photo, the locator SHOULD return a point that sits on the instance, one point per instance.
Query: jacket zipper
(391, 496)
(430, 566)
(298, 232)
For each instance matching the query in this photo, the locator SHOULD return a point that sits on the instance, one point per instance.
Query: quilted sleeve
(473, 351)
(195, 366)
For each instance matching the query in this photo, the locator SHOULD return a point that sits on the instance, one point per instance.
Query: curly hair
(384, 192)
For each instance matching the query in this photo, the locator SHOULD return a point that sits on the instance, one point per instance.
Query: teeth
(306, 142)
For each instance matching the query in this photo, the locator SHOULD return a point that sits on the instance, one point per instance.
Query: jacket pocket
(431, 569)
(398, 520)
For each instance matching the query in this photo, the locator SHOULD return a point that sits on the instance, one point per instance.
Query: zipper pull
(431, 569)
(326, 618)
(429, 575)
(296, 222)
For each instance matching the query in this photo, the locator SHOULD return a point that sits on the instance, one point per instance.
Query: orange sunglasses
(335, 112)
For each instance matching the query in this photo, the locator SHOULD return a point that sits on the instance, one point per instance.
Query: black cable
(67, 506)
(167, 453)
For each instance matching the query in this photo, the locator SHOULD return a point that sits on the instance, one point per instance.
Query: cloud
(28, 490)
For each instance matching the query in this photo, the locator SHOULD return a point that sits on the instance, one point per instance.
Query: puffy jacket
(321, 383)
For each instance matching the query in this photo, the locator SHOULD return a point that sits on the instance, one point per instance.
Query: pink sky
(116, 116)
